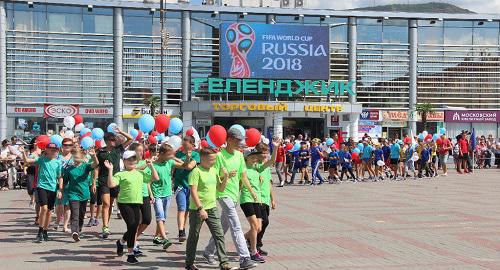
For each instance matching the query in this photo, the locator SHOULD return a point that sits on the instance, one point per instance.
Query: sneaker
(247, 263)
(191, 267)
(227, 267)
(105, 232)
(56, 227)
(66, 230)
(262, 252)
(96, 222)
(138, 252)
(31, 205)
(89, 224)
(209, 259)
(45, 237)
(444, 174)
(157, 240)
(166, 243)
(182, 237)
(75, 236)
(131, 259)
(119, 248)
(258, 258)
(39, 238)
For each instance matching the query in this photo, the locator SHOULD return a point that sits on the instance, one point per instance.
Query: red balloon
(42, 141)
(428, 137)
(151, 139)
(190, 132)
(204, 143)
(162, 121)
(218, 135)
(252, 137)
(98, 144)
(85, 135)
(288, 146)
(439, 141)
(153, 133)
(139, 135)
(147, 154)
(78, 119)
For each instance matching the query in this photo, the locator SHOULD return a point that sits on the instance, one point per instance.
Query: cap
(52, 145)
(251, 151)
(128, 154)
(235, 134)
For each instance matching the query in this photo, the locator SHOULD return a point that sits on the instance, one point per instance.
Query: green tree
(153, 102)
(423, 109)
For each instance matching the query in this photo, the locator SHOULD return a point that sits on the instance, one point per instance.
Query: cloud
(479, 6)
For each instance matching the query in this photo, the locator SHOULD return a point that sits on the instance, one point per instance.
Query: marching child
(204, 182)
(333, 160)
(379, 156)
(347, 165)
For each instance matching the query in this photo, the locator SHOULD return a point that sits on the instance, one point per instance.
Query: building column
(352, 40)
(278, 124)
(187, 117)
(118, 66)
(413, 40)
(3, 71)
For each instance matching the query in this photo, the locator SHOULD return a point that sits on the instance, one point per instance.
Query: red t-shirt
(444, 146)
(280, 155)
(464, 147)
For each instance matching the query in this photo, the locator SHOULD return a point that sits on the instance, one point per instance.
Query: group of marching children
(137, 176)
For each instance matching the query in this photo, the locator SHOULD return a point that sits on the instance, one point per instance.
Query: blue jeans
(315, 171)
(161, 207)
(182, 199)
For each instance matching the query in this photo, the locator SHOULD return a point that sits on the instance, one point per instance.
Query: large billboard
(269, 51)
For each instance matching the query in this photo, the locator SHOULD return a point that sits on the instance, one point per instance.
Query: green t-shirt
(234, 161)
(163, 187)
(49, 172)
(266, 186)
(253, 174)
(130, 183)
(181, 175)
(145, 190)
(114, 156)
(206, 182)
(77, 182)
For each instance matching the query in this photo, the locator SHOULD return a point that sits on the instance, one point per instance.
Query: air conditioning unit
(285, 3)
(299, 3)
(233, 3)
(209, 2)
(250, 3)
(271, 3)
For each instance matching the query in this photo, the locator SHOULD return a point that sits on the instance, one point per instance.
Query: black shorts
(93, 197)
(251, 209)
(464, 156)
(146, 211)
(29, 187)
(113, 193)
(394, 161)
(46, 197)
(333, 167)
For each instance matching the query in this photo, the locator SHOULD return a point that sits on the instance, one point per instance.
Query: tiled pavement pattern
(445, 223)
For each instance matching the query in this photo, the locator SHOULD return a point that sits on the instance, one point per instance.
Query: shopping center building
(101, 59)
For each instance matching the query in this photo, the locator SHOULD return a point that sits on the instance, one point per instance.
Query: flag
(339, 140)
(413, 142)
(473, 141)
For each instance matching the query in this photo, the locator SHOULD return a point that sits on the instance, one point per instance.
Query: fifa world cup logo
(240, 37)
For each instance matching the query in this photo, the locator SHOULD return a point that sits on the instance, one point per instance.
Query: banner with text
(267, 51)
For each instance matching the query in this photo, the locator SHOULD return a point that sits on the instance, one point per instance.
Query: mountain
(431, 7)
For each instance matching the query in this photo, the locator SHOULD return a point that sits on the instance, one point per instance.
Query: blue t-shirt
(409, 153)
(315, 150)
(367, 152)
(395, 148)
(387, 151)
(378, 154)
(303, 156)
(425, 155)
(347, 161)
(341, 156)
(333, 158)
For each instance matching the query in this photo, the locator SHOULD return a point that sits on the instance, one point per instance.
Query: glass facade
(64, 54)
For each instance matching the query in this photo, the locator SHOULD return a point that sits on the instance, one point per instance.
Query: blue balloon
(146, 123)
(87, 143)
(160, 137)
(442, 130)
(421, 136)
(134, 133)
(356, 150)
(240, 128)
(360, 146)
(97, 134)
(111, 128)
(329, 141)
(210, 143)
(56, 139)
(85, 131)
(175, 126)
(435, 137)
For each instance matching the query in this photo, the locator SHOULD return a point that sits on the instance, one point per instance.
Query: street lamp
(164, 43)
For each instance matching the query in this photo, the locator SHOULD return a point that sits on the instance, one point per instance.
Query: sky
(479, 6)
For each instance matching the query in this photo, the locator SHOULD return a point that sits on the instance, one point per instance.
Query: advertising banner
(466, 116)
(374, 131)
(59, 110)
(268, 51)
(370, 115)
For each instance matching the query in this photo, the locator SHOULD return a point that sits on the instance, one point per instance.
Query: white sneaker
(444, 174)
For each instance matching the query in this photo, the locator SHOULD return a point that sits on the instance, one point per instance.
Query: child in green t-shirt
(204, 182)
(130, 199)
(76, 186)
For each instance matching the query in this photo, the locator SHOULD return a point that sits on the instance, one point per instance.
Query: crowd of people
(139, 175)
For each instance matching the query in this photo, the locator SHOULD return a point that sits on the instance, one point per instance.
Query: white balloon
(79, 127)
(425, 133)
(69, 121)
(175, 142)
(69, 134)
(265, 141)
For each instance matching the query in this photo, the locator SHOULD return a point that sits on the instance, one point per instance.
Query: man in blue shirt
(395, 148)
